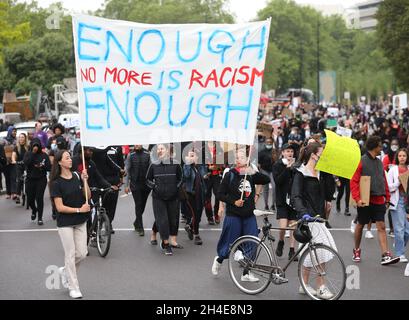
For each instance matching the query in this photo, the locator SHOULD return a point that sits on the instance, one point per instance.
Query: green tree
(167, 11)
(393, 31)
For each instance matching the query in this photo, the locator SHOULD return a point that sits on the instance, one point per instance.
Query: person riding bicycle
(308, 197)
(110, 164)
(239, 220)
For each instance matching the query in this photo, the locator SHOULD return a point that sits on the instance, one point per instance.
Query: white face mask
(53, 146)
(394, 148)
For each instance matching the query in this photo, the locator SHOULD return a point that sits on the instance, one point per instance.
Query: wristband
(78, 210)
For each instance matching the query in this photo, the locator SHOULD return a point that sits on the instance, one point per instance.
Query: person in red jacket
(375, 211)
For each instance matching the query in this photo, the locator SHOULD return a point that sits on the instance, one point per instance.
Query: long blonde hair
(26, 145)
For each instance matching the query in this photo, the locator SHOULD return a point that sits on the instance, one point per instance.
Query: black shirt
(72, 196)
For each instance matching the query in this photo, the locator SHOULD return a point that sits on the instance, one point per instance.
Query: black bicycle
(321, 271)
(99, 228)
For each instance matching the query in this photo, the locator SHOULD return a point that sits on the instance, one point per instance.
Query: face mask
(394, 148)
(269, 146)
(53, 146)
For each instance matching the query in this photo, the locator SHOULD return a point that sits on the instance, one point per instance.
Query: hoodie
(37, 163)
(231, 188)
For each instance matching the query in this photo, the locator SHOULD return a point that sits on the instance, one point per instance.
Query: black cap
(287, 146)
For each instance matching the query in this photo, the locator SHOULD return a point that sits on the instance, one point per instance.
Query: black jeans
(166, 217)
(212, 184)
(35, 189)
(194, 210)
(109, 203)
(7, 175)
(140, 197)
(344, 186)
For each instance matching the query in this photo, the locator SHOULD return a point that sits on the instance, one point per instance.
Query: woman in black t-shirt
(68, 193)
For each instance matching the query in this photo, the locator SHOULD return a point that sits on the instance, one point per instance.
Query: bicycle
(99, 228)
(319, 265)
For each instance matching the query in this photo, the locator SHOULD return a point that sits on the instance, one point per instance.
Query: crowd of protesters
(281, 168)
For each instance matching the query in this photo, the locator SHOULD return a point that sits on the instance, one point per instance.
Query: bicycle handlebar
(307, 218)
(93, 189)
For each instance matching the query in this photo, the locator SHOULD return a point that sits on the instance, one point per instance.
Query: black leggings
(194, 211)
(212, 184)
(344, 186)
(35, 189)
(166, 217)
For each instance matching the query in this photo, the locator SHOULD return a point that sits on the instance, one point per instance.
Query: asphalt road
(134, 269)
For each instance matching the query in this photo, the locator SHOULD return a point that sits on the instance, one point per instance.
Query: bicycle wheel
(321, 272)
(250, 265)
(103, 233)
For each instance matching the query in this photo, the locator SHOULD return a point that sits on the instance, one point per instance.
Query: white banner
(344, 132)
(148, 84)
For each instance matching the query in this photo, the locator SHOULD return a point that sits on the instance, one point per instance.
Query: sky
(244, 10)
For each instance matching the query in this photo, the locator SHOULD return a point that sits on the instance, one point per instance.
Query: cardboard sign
(265, 128)
(365, 191)
(403, 178)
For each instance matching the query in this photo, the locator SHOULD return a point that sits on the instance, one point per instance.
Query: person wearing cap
(282, 173)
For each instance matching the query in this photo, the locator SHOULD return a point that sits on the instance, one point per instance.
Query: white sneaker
(216, 266)
(368, 235)
(353, 225)
(75, 294)
(309, 288)
(403, 258)
(238, 255)
(287, 233)
(249, 278)
(407, 270)
(324, 293)
(63, 276)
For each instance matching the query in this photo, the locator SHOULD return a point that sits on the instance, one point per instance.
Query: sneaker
(353, 225)
(217, 219)
(140, 232)
(347, 212)
(183, 219)
(280, 247)
(63, 276)
(216, 266)
(291, 254)
(238, 255)
(324, 293)
(40, 222)
(210, 221)
(266, 208)
(388, 259)
(189, 231)
(403, 259)
(309, 288)
(391, 234)
(273, 208)
(287, 234)
(249, 277)
(198, 241)
(17, 200)
(357, 255)
(328, 225)
(33, 215)
(168, 250)
(407, 270)
(368, 235)
(75, 294)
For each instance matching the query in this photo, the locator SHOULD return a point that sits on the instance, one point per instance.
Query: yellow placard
(341, 156)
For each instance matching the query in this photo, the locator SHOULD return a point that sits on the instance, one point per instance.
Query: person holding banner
(137, 164)
(165, 177)
(68, 190)
(399, 199)
(375, 210)
(238, 191)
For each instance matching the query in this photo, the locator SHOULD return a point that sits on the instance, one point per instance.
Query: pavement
(134, 269)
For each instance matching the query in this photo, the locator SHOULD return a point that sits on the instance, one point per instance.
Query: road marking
(127, 230)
